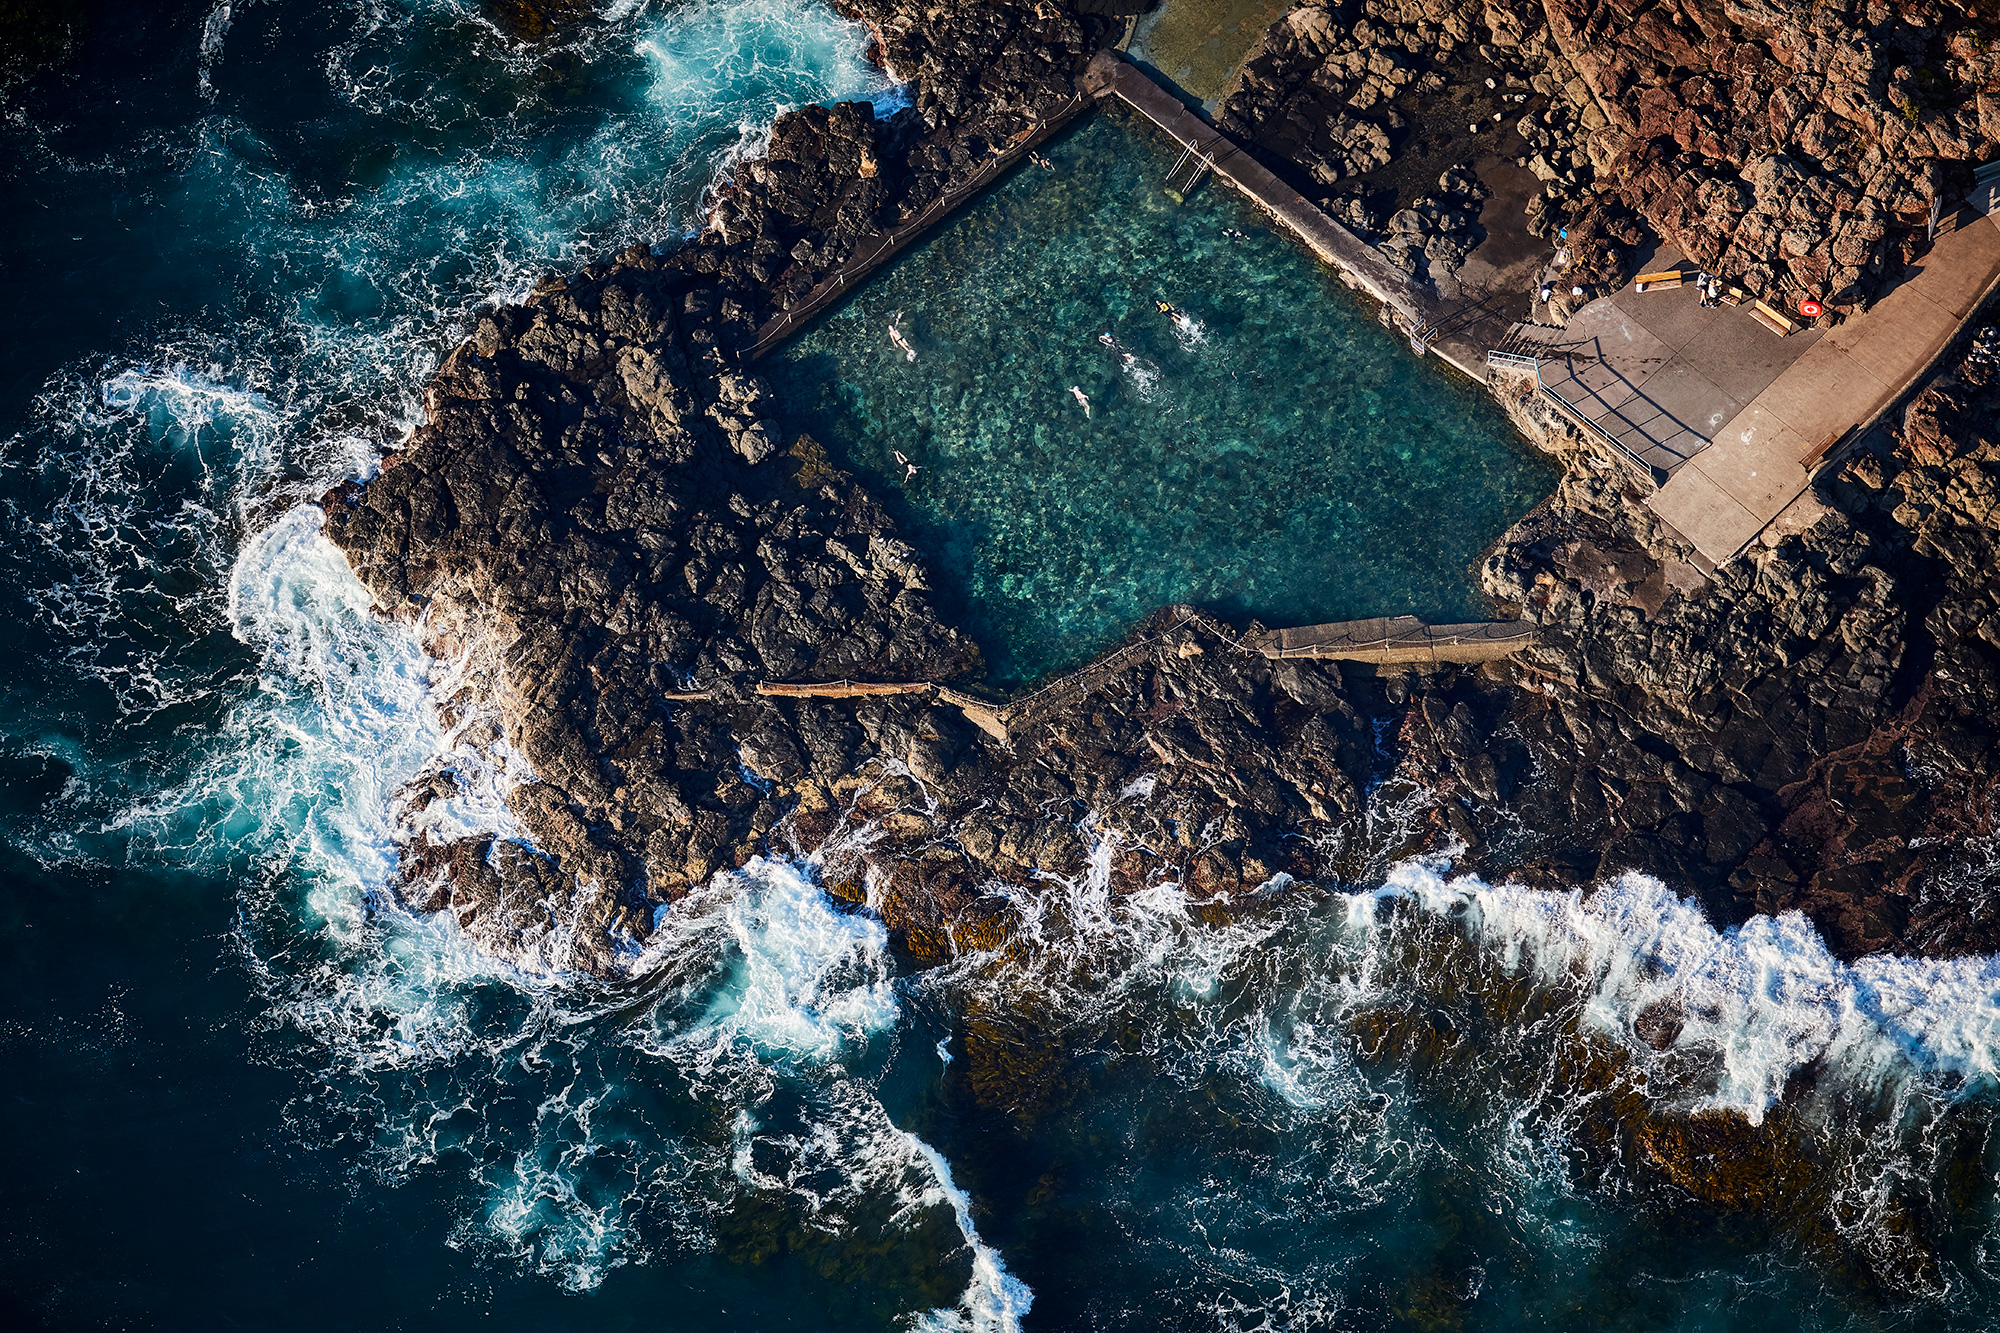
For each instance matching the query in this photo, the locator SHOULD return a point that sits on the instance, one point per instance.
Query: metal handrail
(1576, 413)
(1200, 167)
(1013, 708)
(1516, 361)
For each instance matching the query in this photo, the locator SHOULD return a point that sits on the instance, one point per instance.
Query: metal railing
(1083, 675)
(1514, 361)
(1532, 365)
(1645, 469)
(1198, 164)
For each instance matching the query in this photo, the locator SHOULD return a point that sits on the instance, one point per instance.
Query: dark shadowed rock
(606, 518)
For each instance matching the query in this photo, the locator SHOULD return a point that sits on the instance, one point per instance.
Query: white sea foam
(807, 980)
(759, 981)
(996, 1300)
(214, 29)
(1766, 998)
(754, 60)
(1288, 1004)
(1190, 332)
(154, 468)
(808, 984)
(1757, 1003)
(1145, 376)
(170, 516)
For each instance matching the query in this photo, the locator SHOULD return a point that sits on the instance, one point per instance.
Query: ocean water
(243, 1088)
(1084, 458)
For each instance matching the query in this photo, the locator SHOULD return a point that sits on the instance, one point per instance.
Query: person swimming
(910, 469)
(898, 341)
(1165, 308)
(1078, 394)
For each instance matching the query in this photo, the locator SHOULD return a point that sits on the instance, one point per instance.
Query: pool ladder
(1196, 163)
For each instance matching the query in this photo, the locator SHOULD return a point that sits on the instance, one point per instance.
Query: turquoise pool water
(1276, 453)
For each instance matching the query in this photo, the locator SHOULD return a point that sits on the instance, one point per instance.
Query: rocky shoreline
(608, 519)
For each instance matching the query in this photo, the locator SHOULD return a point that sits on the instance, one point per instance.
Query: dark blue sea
(240, 1087)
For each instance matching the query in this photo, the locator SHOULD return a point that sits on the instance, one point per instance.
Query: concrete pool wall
(1081, 458)
(1460, 333)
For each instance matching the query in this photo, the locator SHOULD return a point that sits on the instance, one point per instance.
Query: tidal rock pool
(1083, 457)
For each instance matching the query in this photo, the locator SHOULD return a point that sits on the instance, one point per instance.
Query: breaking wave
(163, 537)
(141, 476)
(735, 1080)
(1259, 1095)
(1568, 1053)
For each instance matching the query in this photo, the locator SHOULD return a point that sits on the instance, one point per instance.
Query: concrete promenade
(1655, 371)
(1760, 463)
(1360, 265)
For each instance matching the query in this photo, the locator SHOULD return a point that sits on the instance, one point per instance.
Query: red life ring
(1810, 308)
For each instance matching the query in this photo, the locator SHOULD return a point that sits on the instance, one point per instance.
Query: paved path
(1466, 335)
(1657, 372)
(1757, 466)
(1388, 639)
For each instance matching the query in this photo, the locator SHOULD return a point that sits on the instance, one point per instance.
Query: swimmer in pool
(898, 341)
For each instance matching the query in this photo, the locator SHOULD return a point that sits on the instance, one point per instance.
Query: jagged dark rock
(1794, 146)
(1810, 730)
(608, 518)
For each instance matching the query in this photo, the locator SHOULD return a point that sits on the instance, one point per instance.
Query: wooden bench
(1772, 320)
(1665, 280)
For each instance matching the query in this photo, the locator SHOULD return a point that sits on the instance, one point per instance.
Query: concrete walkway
(1657, 372)
(1761, 461)
(1465, 338)
(1392, 639)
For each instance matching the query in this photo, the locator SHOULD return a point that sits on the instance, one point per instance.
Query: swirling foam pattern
(1335, 1110)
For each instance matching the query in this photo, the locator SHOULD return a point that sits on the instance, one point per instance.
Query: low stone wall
(873, 253)
(1387, 640)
